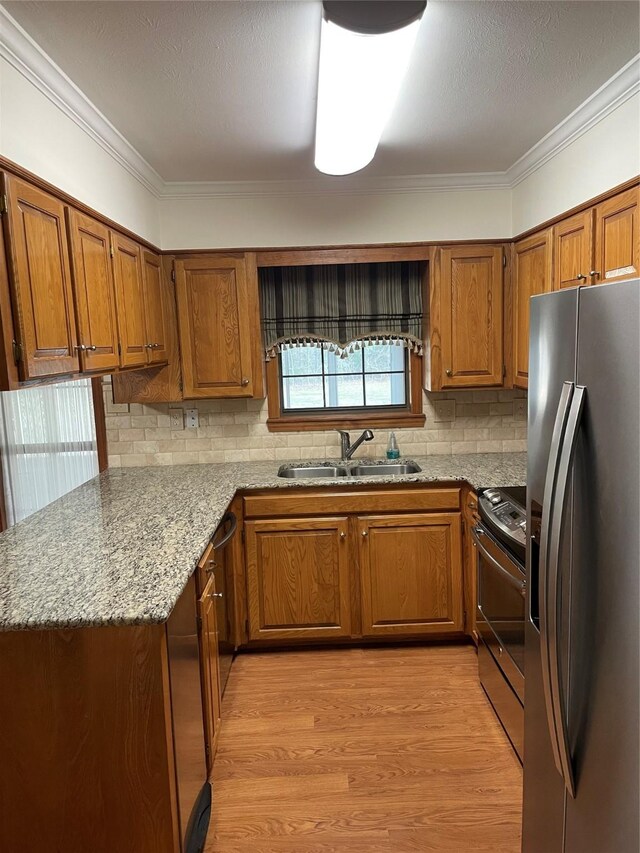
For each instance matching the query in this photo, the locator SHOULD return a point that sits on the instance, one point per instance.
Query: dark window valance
(338, 305)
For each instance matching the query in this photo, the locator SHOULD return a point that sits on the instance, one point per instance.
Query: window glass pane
(351, 364)
(385, 389)
(344, 391)
(301, 360)
(381, 357)
(303, 392)
(48, 442)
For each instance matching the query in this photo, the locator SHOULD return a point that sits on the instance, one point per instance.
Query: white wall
(38, 136)
(325, 219)
(606, 155)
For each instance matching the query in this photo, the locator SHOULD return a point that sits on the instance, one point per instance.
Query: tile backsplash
(236, 431)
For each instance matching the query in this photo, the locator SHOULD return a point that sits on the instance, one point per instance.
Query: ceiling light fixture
(365, 49)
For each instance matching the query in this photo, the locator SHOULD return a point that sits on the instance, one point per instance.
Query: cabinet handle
(449, 372)
(93, 348)
(216, 595)
(595, 273)
(80, 347)
(211, 566)
(472, 505)
(581, 277)
(245, 381)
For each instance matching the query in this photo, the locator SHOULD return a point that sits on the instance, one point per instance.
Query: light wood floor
(362, 751)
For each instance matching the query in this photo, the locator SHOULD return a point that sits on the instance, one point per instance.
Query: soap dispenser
(392, 447)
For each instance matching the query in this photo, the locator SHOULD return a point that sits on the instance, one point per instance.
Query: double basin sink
(382, 469)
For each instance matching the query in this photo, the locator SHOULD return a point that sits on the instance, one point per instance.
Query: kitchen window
(343, 345)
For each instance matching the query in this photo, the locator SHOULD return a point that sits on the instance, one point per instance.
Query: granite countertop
(120, 549)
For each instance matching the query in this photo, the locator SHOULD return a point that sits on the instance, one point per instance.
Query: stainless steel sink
(311, 471)
(386, 469)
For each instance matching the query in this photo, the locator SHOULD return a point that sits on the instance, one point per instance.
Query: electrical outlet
(520, 409)
(445, 410)
(191, 419)
(177, 418)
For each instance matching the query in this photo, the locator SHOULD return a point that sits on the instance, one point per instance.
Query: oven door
(501, 609)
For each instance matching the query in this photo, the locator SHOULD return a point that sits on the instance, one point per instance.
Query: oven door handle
(520, 584)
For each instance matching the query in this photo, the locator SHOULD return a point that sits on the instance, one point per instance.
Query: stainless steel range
(500, 540)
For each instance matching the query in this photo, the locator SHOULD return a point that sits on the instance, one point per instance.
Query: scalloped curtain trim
(342, 350)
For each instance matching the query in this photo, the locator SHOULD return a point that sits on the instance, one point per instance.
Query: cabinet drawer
(297, 502)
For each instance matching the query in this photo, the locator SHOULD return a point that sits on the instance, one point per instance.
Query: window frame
(315, 420)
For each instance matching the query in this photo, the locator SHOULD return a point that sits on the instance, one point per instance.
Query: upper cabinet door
(127, 268)
(156, 308)
(214, 326)
(532, 270)
(573, 250)
(617, 244)
(41, 281)
(471, 316)
(94, 292)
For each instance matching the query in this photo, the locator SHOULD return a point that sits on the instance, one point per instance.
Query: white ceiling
(225, 91)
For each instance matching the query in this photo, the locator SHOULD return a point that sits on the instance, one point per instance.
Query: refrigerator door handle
(564, 762)
(562, 415)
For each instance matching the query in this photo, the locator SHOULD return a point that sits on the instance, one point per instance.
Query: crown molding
(336, 186)
(612, 94)
(28, 58)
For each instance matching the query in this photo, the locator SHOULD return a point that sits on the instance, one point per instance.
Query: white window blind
(48, 444)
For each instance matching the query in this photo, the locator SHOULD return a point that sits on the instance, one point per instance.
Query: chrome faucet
(348, 449)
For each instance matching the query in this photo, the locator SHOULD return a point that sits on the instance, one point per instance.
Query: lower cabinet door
(411, 574)
(209, 669)
(298, 578)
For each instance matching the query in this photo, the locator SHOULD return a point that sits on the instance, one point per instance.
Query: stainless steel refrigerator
(582, 637)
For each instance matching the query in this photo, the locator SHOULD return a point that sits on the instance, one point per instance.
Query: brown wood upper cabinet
(127, 268)
(600, 245)
(411, 574)
(466, 318)
(532, 269)
(617, 238)
(40, 277)
(215, 326)
(298, 578)
(156, 309)
(573, 250)
(94, 292)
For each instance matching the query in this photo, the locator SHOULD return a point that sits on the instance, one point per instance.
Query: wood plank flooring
(392, 750)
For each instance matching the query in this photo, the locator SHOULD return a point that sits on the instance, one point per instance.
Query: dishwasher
(222, 568)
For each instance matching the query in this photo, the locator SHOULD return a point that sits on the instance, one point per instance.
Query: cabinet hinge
(111, 252)
(504, 260)
(180, 384)
(173, 275)
(246, 627)
(119, 348)
(17, 352)
(4, 204)
(504, 370)
(199, 621)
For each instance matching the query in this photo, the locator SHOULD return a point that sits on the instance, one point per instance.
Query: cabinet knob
(93, 348)
(80, 347)
(581, 277)
(343, 535)
(365, 533)
(595, 273)
(244, 382)
(449, 372)
(216, 595)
